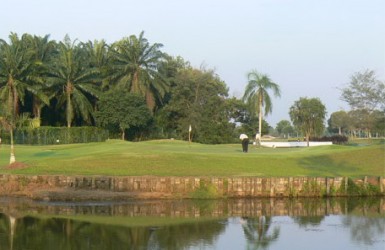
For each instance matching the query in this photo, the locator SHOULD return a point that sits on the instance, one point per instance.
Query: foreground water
(224, 224)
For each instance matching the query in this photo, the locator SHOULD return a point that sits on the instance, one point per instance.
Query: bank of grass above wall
(179, 158)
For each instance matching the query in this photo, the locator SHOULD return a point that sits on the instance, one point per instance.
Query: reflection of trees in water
(313, 212)
(364, 222)
(257, 232)
(57, 233)
(304, 221)
(4, 232)
(184, 235)
(363, 204)
(365, 229)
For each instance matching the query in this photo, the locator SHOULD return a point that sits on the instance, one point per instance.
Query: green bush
(362, 189)
(205, 191)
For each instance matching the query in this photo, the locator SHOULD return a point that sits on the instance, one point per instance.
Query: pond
(342, 223)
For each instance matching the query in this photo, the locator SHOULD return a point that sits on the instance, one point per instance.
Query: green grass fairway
(179, 158)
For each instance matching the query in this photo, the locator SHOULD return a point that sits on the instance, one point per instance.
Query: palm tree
(15, 68)
(97, 54)
(73, 81)
(43, 52)
(257, 95)
(134, 65)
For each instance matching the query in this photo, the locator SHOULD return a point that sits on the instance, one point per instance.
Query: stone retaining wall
(186, 187)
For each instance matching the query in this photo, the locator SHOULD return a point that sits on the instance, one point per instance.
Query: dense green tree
(121, 110)
(73, 81)
(198, 99)
(362, 122)
(134, 66)
(257, 95)
(247, 122)
(284, 127)
(308, 115)
(339, 120)
(379, 123)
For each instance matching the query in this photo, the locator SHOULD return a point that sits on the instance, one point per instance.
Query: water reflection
(222, 224)
(257, 232)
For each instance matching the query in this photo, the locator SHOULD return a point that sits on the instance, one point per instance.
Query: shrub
(205, 191)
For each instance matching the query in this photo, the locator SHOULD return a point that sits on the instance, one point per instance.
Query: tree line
(365, 95)
(137, 91)
(130, 87)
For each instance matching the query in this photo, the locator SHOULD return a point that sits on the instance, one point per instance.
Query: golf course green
(180, 158)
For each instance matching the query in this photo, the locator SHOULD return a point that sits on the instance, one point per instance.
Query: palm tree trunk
(260, 120)
(37, 106)
(135, 83)
(68, 113)
(69, 104)
(12, 158)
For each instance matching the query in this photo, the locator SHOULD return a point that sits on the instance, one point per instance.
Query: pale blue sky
(308, 47)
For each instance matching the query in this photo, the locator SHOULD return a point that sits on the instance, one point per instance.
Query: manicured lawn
(179, 158)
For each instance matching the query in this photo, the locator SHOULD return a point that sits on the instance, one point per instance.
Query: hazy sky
(309, 47)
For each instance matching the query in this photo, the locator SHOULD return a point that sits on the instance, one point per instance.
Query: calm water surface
(223, 224)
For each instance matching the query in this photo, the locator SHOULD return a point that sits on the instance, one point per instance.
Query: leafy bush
(362, 189)
(205, 191)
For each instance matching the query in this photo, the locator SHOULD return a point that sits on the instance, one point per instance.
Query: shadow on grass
(324, 165)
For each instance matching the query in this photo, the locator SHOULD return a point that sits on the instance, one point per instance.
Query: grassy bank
(178, 158)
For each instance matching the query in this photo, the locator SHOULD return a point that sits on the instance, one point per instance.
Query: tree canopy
(364, 91)
(121, 110)
(198, 99)
(284, 127)
(308, 115)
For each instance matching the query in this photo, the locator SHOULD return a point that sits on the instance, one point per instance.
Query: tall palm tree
(134, 65)
(96, 53)
(257, 95)
(73, 81)
(43, 51)
(15, 78)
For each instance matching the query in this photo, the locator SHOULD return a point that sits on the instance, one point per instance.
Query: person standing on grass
(245, 142)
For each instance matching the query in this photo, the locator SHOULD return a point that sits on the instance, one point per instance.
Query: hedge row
(336, 139)
(56, 135)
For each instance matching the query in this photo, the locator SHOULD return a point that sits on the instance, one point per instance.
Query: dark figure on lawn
(245, 142)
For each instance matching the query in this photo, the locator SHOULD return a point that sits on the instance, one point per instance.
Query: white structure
(294, 144)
